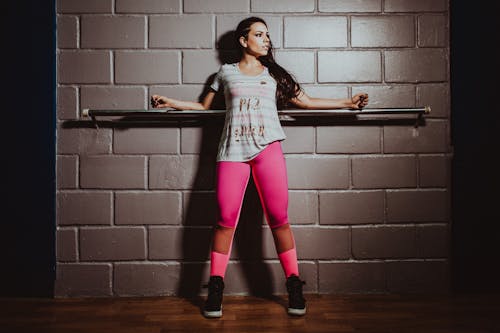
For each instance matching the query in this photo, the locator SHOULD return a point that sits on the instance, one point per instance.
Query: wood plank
(326, 313)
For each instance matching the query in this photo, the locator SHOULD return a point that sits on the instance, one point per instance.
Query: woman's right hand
(158, 101)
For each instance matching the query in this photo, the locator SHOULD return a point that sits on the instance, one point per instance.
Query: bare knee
(223, 237)
(281, 228)
(276, 222)
(223, 230)
(228, 219)
(283, 238)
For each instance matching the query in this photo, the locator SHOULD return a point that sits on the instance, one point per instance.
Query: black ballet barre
(284, 115)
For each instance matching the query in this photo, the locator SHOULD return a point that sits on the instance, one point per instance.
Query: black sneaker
(296, 301)
(213, 304)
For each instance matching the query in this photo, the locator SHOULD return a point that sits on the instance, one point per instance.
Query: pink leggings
(269, 173)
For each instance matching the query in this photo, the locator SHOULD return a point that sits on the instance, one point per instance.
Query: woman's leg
(232, 180)
(269, 172)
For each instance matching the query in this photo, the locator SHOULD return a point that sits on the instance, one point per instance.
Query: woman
(254, 88)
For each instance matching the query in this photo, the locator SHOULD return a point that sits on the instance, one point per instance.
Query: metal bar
(91, 113)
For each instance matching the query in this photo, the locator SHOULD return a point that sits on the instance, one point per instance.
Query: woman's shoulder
(229, 67)
(227, 70)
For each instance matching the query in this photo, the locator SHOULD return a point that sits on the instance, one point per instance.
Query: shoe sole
(213, 314)
(296, 312)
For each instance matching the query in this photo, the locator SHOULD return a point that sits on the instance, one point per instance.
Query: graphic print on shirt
(249, 109)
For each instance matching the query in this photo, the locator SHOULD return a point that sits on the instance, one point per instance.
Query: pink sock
(218, 263)
(289, 262)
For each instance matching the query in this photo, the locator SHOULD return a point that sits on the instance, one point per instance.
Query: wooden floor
(332, 313)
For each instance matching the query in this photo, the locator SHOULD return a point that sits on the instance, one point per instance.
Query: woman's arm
(158, 101)
(304, 101)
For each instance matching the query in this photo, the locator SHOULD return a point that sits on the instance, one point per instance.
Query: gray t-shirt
(251, 115)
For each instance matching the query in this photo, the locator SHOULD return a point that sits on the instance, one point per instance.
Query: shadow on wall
(200, 211)
(248, 242)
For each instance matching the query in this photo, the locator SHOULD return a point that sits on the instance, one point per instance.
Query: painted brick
(318, 172)
(384, 172)
(84, 67)
(432, 31)
(347, 6)
(197, 31)
(90, 6)
(216, 6)
(83, 141)
(310, 31)
(146, 141)
(201, 140)
(121, 98)
(414, 6)
(431, 138)
(148, 67)
(388, 96)
(326, 91)
(148, 6)
(383, 242)
(79, 280)
(67, 32)
(348, 139)
(417, 205)
(434, 171)
(299, 63)
(148, 208)
(193, 276)
(84, 208)
(173, 243)
(145, 279)
(199, 66)
(276, 6)
(417, 65)
(330, 243)
(185, 92)
(352, 277)
(181, 172)
(437, 96)
(252, 241)
(433, 241)
(265, 278)
(418, 276)
(356, 207)
(117, 32)
(349, 66)
(66, 247)
(67, 107)
(114, 172)
(116, 243)
(67, 172)
(226, 25)
(382, 31)
(299, 139)
(183, 216)
(200, 209)
(303, 207)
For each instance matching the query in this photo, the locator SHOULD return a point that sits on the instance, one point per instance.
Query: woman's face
(257, 43)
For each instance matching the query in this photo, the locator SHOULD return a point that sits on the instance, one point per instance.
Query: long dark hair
(287, 87)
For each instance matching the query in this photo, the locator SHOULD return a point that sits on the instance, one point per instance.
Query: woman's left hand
(359, 101)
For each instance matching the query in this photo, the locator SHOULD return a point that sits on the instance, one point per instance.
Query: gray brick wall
(369, 204)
